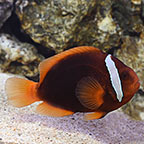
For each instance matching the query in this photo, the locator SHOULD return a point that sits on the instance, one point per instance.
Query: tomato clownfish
(82, 79)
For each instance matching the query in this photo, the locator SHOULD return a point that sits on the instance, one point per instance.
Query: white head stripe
(114, 77)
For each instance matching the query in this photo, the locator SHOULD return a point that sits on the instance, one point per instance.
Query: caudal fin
(21, 92)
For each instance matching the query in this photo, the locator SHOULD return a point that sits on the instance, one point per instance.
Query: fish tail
(21, 92)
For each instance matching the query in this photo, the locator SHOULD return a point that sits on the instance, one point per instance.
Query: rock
(19, 58)
(99, 28)
(52, 22)
(63, 24)
(6, 7)
(135, 108)
(132, 54)
(128, 15)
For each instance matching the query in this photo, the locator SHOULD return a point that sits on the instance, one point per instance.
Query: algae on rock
(132, 54)
(53, 23)
(64, 24)
(19, 58)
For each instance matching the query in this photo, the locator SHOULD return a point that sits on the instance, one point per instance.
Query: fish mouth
(137, 85)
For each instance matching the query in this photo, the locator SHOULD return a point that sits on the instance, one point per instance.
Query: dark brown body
(59, 86)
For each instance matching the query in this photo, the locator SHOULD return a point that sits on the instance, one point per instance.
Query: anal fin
(94, 115)
(49, 110)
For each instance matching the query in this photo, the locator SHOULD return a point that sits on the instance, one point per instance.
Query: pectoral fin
(90, 93)
(49, 110)
(95, 115)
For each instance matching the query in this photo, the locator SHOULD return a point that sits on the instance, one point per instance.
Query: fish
(81, 79)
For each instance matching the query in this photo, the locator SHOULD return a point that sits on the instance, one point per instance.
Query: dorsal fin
(114, 77)
(90, 93)
(47, 64)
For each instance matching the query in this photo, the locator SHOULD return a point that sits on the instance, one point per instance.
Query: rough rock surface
(129, 15)
(6, 7)
(22, 125)
(53, 23)
(63, 24)
(135, 108)
(132, 54)
(19, 58)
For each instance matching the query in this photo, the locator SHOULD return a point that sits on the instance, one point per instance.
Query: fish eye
(125, 75)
